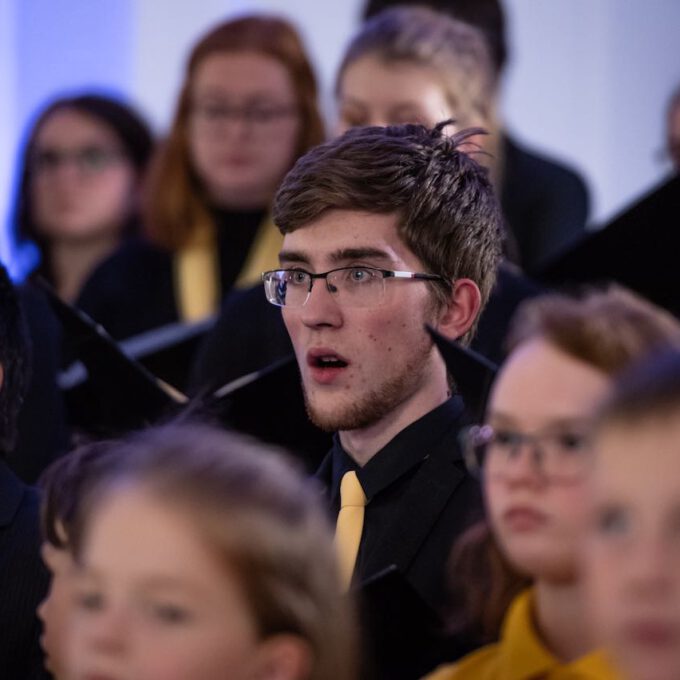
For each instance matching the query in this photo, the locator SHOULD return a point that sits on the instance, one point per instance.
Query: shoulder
(131, 291)
(480, 665)
(523, 163)
(135, 255)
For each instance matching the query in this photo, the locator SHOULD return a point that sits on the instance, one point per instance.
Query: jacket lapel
(427, 497)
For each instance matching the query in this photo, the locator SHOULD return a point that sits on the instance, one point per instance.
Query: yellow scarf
(196, 269)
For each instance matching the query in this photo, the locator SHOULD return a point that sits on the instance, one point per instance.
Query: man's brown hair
(448, 214)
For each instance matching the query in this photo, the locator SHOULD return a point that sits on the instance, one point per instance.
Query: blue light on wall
(63, 46)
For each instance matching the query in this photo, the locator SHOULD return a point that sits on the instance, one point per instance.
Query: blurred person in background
(406, 65)
(545, 203)
(532, 456)
(673, 130)
(64, 485)
(204, 555)
(632, 555)
(80, 180)
(23, 579)
(246, 110)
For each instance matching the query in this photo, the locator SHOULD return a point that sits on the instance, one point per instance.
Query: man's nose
(322, 308)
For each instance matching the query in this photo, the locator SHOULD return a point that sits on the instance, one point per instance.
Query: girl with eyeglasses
(533, 459)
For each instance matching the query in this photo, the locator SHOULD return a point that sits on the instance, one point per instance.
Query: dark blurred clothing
(545, 204)
(638, 249)
(42, 430)
(134, 290)
(248, 335)
(23, 579)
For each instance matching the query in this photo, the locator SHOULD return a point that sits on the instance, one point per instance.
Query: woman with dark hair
(81, 173)
(246, 110)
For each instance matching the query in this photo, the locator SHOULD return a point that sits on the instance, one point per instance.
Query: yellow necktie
(350, 524)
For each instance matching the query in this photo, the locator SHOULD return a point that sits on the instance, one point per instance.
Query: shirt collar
(525, 657)
(405, 451)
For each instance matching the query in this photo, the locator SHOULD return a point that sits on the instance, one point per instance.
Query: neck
(241, 201)
(364, 443)
(559, 614)
(72, 261)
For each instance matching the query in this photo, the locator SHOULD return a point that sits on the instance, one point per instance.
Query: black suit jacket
(23, 579)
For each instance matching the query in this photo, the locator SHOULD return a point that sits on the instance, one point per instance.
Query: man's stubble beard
(378, 402)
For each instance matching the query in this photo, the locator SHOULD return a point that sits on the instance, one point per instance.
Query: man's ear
(283, 657)
(464, 304)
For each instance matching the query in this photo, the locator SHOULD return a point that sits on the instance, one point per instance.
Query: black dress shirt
(419, 498)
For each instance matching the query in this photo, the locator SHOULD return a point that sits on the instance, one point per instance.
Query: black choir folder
(473, 374)
(109, 392)
(638, 249)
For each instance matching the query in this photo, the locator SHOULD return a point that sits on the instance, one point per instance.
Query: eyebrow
(508, 421)
(338, 256)
(293, 256)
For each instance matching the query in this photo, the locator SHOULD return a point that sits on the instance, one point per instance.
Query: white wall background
(588, 79)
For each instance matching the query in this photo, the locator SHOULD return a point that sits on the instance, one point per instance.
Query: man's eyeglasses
(558, 455)
(351, 286)
(257, 114)
(88, 160)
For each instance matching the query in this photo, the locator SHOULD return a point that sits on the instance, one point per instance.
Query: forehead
(166, 540)
(376, 80)
(241, 74)
(539, 383)
(336, 231)
(641, 458)
(67, 125)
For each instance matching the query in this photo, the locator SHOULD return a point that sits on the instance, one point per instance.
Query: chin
(535, 563)
(652, 668)
(336, 417)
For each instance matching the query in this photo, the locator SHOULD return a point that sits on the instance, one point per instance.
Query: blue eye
(358, 275)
